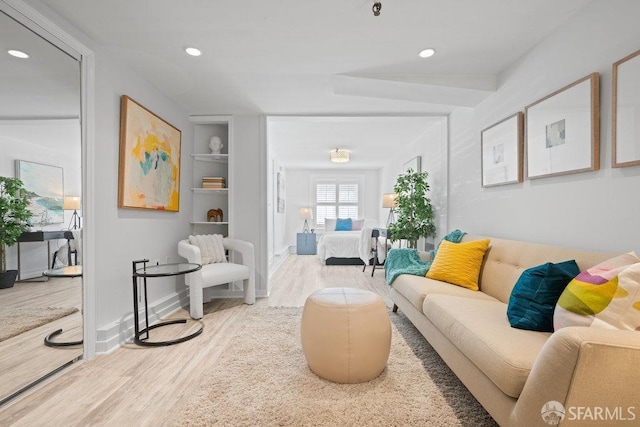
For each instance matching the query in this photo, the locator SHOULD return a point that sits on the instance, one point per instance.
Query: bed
(353, 247)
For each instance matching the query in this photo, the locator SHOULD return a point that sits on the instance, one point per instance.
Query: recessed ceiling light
(18, 53)
(427, 53)
(193, 51)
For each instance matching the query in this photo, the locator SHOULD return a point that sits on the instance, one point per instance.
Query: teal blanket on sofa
(407, 261)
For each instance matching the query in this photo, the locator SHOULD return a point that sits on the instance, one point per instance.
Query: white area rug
(15, 321)
(262, 379)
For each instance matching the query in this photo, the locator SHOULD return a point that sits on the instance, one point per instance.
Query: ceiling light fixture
(339, 156)
(193, 51)
(18, 53)
(427, 53)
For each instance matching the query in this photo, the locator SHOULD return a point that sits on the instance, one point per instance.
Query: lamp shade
(306, 213)
(71, 203)
(389, 200)
(339, 156)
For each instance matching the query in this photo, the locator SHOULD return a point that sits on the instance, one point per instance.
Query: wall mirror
(626, 111)
(40, 132)
(563, 130)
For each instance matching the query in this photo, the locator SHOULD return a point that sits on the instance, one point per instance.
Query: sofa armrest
(582, 367)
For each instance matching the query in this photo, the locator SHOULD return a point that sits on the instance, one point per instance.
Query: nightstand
(306, 243)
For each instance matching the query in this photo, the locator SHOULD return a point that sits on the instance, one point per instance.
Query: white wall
(301, 193)
(431, 146)
(593, 210)
(125, 235)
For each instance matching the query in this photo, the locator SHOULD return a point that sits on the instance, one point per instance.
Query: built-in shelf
(211, 190)
(218, 158)
(208, 223)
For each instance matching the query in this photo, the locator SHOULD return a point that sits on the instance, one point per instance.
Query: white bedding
(349, 244)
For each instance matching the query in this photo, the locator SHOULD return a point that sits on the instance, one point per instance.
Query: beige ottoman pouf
(346, 334)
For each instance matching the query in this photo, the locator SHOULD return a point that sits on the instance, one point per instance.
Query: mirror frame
(619, 122)
(47, 29)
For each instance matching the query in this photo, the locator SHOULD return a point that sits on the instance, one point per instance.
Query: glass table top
(161, 270)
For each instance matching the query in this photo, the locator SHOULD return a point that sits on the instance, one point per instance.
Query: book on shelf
(213, 182)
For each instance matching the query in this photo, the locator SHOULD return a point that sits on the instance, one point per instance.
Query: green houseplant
(14, 217)
(414, 211)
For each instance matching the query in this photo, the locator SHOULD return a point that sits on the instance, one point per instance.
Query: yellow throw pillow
(459, 263)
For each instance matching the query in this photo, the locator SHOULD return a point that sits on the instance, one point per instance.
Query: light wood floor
(145, 386)
(24, 358)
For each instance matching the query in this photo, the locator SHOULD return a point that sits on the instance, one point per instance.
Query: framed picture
(501, 159)
(45, 185)
(563, 130)
(626, 108)
(280, 192)
(149, 172)
(413, 164)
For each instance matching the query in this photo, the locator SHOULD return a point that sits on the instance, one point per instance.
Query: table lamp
(390, 200)
(306, 214)
(72, 203)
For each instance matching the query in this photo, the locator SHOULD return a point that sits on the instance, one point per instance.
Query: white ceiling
(326, 58)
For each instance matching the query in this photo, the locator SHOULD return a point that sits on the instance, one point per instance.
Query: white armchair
(219, 273)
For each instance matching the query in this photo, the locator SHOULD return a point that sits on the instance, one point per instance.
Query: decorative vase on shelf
(215, 144)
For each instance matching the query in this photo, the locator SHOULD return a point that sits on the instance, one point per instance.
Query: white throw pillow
(329, 224)
(211, 247)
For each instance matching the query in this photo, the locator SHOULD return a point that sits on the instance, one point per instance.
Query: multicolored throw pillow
(605, 296)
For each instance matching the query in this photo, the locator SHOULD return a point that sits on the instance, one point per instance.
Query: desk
(161, 270)
(40, 236)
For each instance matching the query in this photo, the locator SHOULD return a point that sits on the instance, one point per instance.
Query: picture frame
(563, 130)
(45, 185)
(149, 167)
(625, 127)
(413, 164)
(280, 190)
(501, 151)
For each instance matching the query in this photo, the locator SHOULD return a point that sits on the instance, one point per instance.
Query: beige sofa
(513, 372)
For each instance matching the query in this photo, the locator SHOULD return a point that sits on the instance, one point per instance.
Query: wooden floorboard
(146, 386)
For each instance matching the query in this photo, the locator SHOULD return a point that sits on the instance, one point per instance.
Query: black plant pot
(8, 278)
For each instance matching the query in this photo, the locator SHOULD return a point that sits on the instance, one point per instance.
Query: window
(336, 199)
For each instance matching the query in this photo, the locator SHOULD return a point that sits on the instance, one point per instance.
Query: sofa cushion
(607, 296)
(536, 293)
(416, 288)
(221, 273)
(459, 263)
(480, 330)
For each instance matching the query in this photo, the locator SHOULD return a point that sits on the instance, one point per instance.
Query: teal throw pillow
(536, 293)
(343, 224)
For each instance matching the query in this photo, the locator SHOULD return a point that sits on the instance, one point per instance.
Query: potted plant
(14, 220)
(414, 211)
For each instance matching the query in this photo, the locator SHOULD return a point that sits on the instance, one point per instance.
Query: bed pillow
(605, 296)
(356, 224)
(535, 294)
(459, 263)
(211, 248)
(329, 224)
(343, 224)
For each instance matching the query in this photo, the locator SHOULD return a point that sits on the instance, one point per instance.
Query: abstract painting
(44, 183)
(149, 173)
